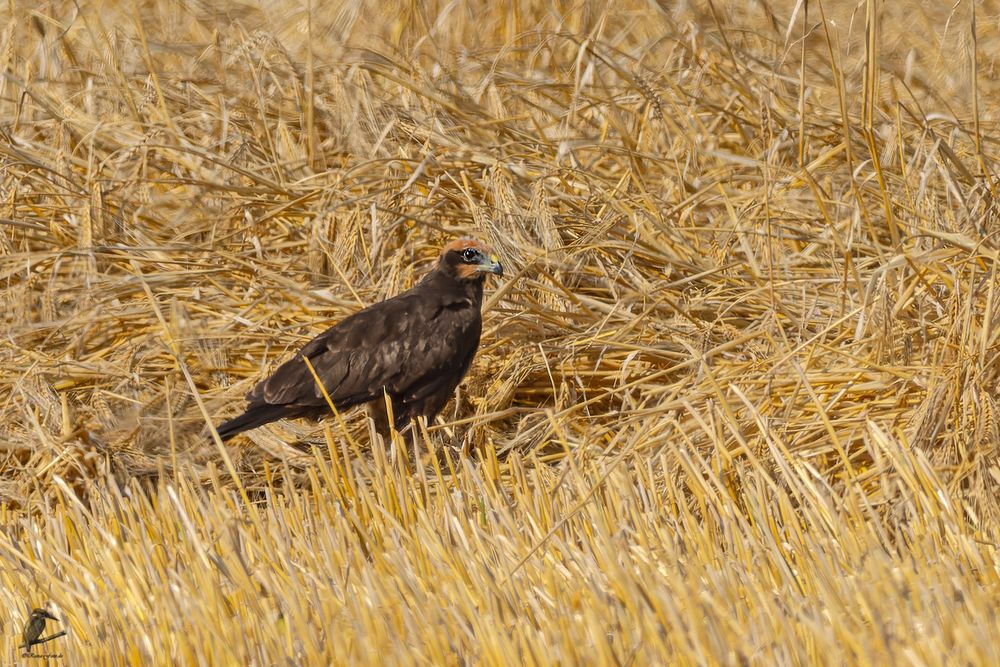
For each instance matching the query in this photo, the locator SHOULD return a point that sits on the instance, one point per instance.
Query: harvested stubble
(735, 404)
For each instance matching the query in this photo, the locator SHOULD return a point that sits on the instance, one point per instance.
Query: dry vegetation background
(736, 401)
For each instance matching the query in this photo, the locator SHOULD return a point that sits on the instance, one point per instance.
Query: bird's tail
(256, 415)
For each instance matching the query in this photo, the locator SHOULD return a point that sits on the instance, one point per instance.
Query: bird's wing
(391, 344)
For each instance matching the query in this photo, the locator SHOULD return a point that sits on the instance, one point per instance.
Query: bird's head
(469, 259)
(41, 613)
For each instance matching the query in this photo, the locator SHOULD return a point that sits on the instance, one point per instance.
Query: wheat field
(736, 398)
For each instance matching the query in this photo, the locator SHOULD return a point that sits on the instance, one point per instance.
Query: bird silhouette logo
(34, 627)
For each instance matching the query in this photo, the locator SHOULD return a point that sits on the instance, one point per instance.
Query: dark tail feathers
(256, 415)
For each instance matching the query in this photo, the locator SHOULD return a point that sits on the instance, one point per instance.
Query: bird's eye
(469, 254)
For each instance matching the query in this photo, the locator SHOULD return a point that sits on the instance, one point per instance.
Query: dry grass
(736, 401)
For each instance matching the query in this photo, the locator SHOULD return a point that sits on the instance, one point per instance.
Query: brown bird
(34, 628)
(414, 347)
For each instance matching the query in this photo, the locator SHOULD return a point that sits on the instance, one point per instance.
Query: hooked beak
(490, 264)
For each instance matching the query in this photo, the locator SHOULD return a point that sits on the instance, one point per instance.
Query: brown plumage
(34, 627)
(415, 347)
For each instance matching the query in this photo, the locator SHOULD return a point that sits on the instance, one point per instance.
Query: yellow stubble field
(736, 397)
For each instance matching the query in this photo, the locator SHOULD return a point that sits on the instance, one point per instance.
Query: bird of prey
(34, 628)
(414, 347)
